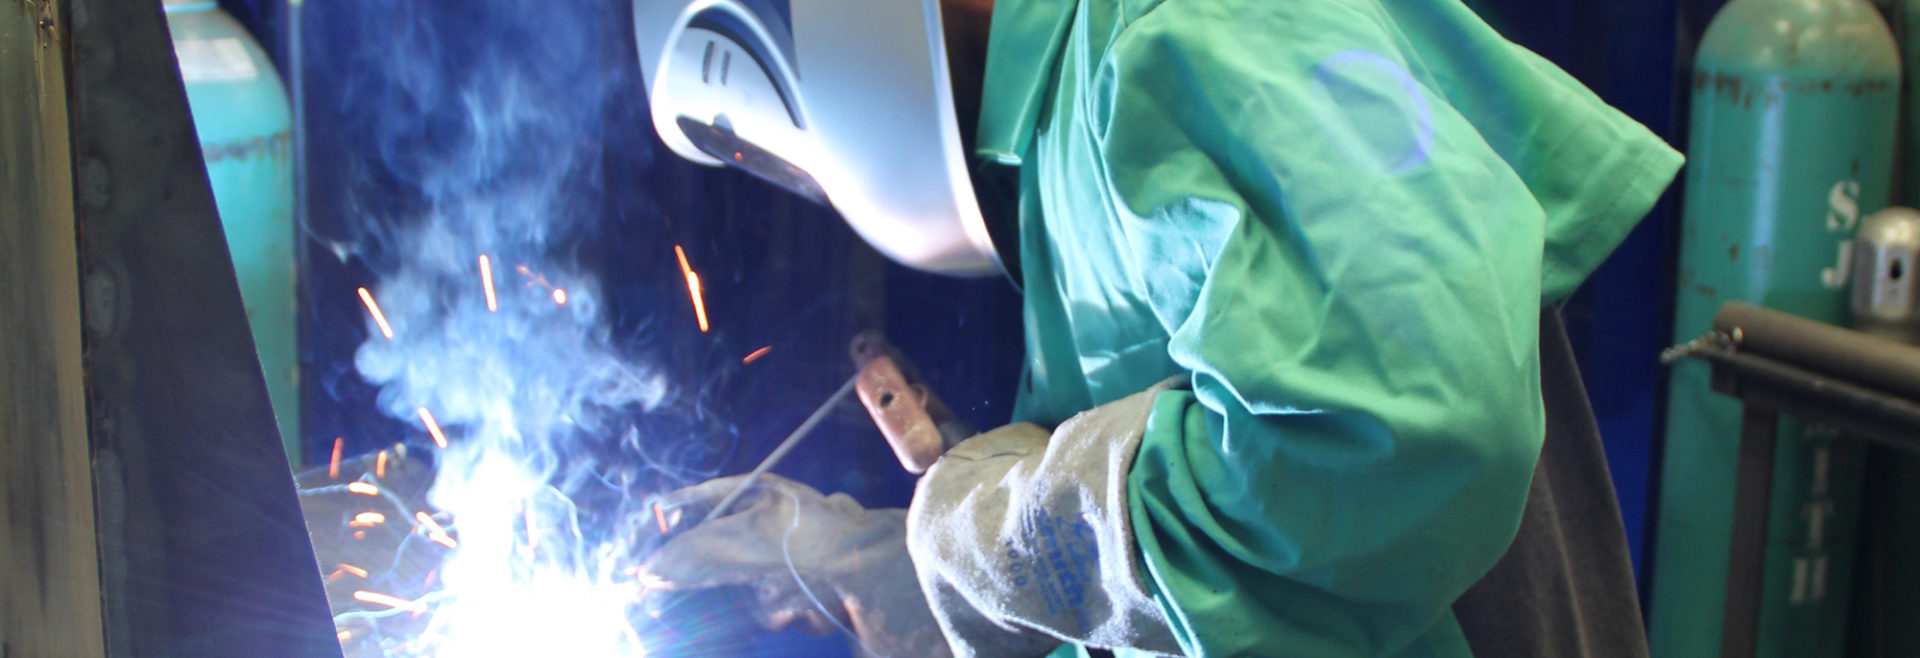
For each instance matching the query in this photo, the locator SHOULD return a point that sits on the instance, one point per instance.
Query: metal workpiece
(136, 421)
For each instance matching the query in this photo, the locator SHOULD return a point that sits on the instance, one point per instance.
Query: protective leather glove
(1022, 537)
(824, 561)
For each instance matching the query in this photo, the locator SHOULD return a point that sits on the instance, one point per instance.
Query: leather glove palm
(824, 561)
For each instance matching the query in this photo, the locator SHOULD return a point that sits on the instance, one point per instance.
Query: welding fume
(1287, 374)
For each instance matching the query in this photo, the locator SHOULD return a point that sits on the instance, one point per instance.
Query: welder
(1295, 380)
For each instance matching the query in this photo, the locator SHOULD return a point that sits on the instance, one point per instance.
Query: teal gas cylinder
(1792, 133)
(241, 111)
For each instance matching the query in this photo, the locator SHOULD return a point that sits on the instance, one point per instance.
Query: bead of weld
(388, 600)
(378, 317)
(363, 488)
(439, 438)
(755, 356)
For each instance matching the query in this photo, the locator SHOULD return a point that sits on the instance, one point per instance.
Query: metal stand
(1777, 363)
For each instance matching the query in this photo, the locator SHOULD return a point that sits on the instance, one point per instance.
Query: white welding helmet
(845, 102)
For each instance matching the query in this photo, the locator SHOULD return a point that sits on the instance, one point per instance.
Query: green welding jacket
(1340, 219)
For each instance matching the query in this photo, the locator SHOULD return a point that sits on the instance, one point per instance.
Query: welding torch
(915, 422)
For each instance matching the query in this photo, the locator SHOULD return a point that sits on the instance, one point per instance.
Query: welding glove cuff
(1022, 539)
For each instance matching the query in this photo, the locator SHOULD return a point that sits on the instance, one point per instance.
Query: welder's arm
(1352, 278)
(1022, 540)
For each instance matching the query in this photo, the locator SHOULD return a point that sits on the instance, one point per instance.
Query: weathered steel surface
(49, 584)
(203, 552)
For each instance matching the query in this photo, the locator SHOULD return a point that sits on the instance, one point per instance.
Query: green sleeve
(1365, 407)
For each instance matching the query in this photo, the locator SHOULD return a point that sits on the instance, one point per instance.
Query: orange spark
(344, 635)
(443, 539)
(693, 287)
(432, 525)
(363, 488)
(755, 356)
(439, 439)
(486, 282)
(367, 520)
(560, 296)
(380, 465)
(333, 467)
(359, 534)
(335, 575)
(431, 575)
(390, 601)
(378, 317)
(660, 517)
(357, 571)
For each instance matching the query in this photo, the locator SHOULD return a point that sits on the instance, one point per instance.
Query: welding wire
(785, 446)
(439, 438)
(390, 601)
(486, 282)
(378, 317)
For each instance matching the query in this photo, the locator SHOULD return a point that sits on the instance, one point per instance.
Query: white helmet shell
(846, 102)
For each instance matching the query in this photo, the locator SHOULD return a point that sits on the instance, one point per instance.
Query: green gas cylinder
(241, 112)
(1792, 134)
